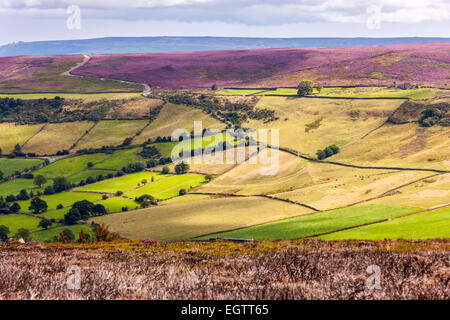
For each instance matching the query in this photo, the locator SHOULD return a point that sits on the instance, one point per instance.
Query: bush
(165, 170)
(182, 192)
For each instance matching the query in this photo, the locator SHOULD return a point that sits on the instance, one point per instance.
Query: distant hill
(181, 44)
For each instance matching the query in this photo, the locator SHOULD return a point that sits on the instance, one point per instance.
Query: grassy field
(83, 175)
(64, 198)
(428, 225)
(124, 183)
(48, 235)
(112, 132)
(14, 187)
(361, 92)
(173, 117)
(17, 221)
(10, 166)
(342, 121)
(168, 187)
(318, 223)
(179, 221)
(70, 166)
(12, 134)
(409, 145)
(57, 136)
(121, 158)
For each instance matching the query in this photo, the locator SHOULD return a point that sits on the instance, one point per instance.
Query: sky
(34, 20)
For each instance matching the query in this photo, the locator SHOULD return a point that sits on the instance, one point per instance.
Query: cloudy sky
(29, 20)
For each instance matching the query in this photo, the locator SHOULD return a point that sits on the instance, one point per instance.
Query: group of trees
(82, 210)
(430, 117)
(327, 152)
(306, 87)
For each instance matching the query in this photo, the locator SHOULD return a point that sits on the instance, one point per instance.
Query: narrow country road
(82, 63)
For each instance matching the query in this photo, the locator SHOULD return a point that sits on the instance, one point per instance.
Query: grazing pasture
(120, 158)
(175, 116)
(17, 221)
(318, 223)
(14, 186)
(428, 225)
(110, 133)
(124, 183)
(342, 121)
(177, 221)
(57, 136)
(64, 198)
(10, 166)
(168, 187)
(48, 235)
(72, 165)
(12, 134)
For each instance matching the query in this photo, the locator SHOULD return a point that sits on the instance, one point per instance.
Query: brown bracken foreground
(306, 269)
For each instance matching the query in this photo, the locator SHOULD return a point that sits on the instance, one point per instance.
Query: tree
(38, 205)
(85, 208)
(321, 154)
(4, 231)
(66, 236)
(24, 234)
(23, 195)
(72, 217)
(49, 190)
(60, 184)
(15, 207)
(182, 192)
(305, 88)
(165, 170)
(44, 223)
(39, 180)
(319, 86)
(1, 174)
(214, 87)
(99, 210)
(17, 148)
(181, 168)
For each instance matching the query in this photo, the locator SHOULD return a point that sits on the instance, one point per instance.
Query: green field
(10, 166)
(124, 183)
(318, 223)
(369, 92)
(17, 221)
(14, 187)
(427, 225)
(83, 175)
(64, 198)
(72, 165)
(48, 235)
(121, 158)
(168, 187)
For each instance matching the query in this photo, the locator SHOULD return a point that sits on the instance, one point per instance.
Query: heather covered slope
(417, 63)
(46, 74)
(258, 270)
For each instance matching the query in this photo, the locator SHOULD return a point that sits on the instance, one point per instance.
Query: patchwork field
(10, 166)
(185, 220)
(57, 136)
(307, 125)
(64, 198)
(428, 225)
(12, 134)
(318, 223)
(168, 187)
(112, 132)
(124, 183)
(48, 235)
(172, 117)
(17, 221)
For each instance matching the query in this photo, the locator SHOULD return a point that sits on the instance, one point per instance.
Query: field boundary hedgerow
(83, 135)
(39, 131)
